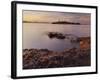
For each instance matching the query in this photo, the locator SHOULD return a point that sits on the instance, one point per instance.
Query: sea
(34, 35)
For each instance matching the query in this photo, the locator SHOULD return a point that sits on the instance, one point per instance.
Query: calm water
(35, 35)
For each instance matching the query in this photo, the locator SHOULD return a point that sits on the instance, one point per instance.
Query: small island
(65, 22)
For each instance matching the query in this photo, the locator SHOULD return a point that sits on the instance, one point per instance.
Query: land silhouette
(55, 22)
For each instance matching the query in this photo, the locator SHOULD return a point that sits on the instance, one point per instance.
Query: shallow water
(35, 35)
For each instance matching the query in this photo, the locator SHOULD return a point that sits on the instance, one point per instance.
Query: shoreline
(44, 58)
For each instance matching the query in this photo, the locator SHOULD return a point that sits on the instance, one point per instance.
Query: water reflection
(34, 35)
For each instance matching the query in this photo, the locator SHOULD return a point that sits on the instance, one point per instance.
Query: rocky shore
(44, 58)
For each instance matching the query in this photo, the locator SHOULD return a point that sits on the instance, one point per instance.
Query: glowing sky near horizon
(49, 16)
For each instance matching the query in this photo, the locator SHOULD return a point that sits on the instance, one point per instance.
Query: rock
(44, 58)
(56, 35)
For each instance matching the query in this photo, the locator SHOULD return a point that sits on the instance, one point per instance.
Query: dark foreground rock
(44, 58)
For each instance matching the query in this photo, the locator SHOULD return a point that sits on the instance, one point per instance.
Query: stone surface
(44, 58)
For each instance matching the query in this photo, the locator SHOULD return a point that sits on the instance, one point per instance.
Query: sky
(50, 16)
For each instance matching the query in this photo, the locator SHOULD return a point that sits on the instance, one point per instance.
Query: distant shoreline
(59, 22)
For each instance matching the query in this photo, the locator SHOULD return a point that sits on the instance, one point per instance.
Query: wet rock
(56, 35)
(44, 58)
